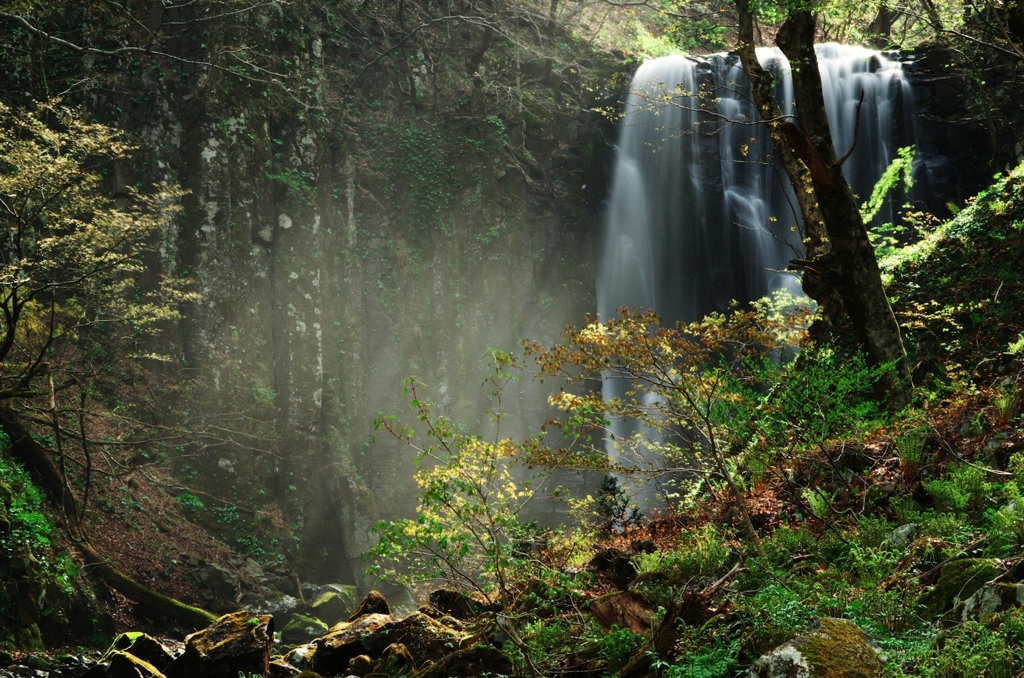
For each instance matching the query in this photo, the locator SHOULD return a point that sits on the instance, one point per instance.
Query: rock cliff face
(345, 234)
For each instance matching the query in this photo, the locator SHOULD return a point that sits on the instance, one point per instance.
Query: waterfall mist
(699, 215)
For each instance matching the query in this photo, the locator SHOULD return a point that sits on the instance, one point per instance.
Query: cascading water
(699, 215)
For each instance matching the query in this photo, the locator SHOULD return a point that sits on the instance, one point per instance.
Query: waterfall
(699, 215)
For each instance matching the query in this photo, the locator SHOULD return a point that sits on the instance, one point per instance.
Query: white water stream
(698, 214)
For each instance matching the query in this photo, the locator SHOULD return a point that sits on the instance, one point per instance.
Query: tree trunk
(850, 265)
(37, 459)
(814, 234)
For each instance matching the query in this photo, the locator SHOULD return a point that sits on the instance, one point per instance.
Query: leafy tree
(70, 298)
(467, 527)
(72, 250)
(695, 386)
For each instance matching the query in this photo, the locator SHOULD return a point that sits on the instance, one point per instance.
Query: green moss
(839, 649)
(959, 579)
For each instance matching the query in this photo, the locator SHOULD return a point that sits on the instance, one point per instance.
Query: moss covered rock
(373, 603)
(990, 599)
(235, 643)
(958, 581)
(837, 648)
(143, 647)
(333, 651)
(125, 665)
(332, 607)
(302, 629)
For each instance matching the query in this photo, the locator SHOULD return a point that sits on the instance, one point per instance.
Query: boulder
(235, 643)
(454, 604)
(282, 669)
(299, 656)
(424, 638)
(360, 666)
(124, 665)
(396, 656)
(623, 609)
(476, 660)
(222, 582)
(837, 648)
(958, 581)
(901, 536)
(278, 605)
(990, 599)
(142, 646)
(332, 607)
(373, 603)
(333, 651)
(302, 629)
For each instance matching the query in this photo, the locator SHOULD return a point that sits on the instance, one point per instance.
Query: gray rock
(901, 536)
(221, 581)
(279, 605)
(991, 598)
(302, 629)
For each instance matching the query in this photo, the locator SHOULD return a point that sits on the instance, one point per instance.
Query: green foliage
(820, 398)
(190, 502)
(72, 253)
(467, 530)
(910, 438)
(716, 661)
(614, 508)
(295, 181)
(969, 649)
(617, 648)
(902, 165)
(698, 554)
(964, 488)
(31, 529)
(436, 163)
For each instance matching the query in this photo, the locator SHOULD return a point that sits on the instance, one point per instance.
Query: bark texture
(850, 265)
(814, 235)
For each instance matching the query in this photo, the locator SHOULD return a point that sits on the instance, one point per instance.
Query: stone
(332, 607)
(253, 569)
(282, 669)
(279, 605)
(397, 656)
(476, 660)
(360, 666)
(424, 638)
(6, 658)
(299, 656)
(302, 629)
(342, 642)
(235, 643)
(144, 647)
(36, 662)
(373, 603)
(222, 582)
(901, 536)
(623, 609)
(991, 598)
(958, 580)
(454, 604)
(837, 648)
(125, 665)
